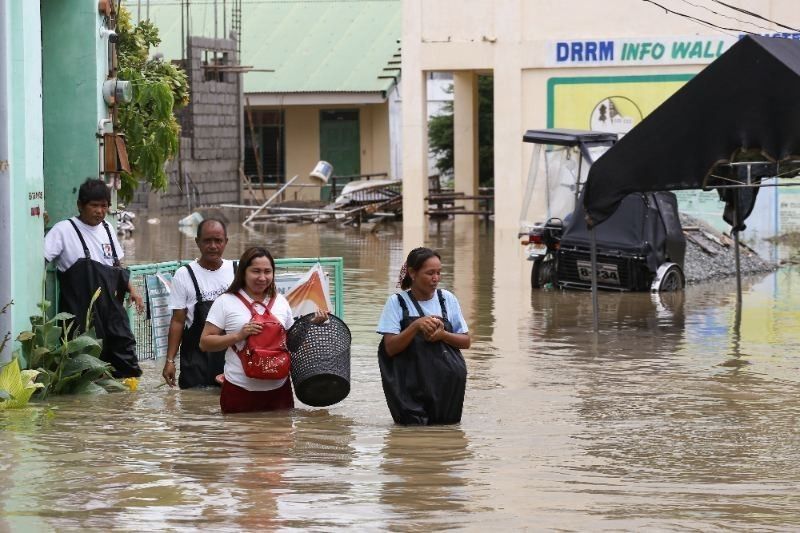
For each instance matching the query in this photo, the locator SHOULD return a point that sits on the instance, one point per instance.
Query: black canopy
(747, 99)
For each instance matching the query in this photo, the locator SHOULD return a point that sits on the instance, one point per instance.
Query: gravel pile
(712, 256)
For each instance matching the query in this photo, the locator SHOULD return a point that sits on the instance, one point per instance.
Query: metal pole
(736, 246)
(265, 204)
(5, 188)
(595, 307)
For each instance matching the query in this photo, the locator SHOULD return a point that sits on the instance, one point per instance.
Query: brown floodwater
(671, 418)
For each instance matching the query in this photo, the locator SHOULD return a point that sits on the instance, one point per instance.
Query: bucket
(320, 360)
(322, 171)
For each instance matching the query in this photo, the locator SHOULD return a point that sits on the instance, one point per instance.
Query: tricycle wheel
(672, 280)
(541, 273)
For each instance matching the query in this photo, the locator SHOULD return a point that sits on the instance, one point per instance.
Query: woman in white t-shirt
(230, 322)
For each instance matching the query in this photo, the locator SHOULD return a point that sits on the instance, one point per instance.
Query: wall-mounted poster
(607, 103)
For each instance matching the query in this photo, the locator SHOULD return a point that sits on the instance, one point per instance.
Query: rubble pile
(710, 254)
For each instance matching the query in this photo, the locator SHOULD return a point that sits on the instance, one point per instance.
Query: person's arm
(176, 326)
(53, 244)
(394, 343)
(461, 341)
(214, 338)
(136, 298)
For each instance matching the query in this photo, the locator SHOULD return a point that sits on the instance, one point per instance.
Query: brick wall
(211, 127)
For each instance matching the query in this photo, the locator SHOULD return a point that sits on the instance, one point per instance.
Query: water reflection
(664, 420)
(425, 470)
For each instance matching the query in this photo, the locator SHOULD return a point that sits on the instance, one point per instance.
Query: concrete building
(575, 65)
(319, 85)
(54, 61)
(206, 169)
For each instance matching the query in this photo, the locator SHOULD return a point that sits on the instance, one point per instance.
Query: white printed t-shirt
(212, 284)
(230, 314)
(63, 245)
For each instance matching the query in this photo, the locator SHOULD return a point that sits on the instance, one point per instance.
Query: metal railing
(141, 324)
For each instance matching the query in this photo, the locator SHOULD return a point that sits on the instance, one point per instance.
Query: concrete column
(465, 134)
(415, 130)
(508, 168)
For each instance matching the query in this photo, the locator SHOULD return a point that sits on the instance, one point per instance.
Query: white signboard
(640, 51)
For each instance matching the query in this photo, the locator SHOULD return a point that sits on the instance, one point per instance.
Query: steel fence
(141, 326)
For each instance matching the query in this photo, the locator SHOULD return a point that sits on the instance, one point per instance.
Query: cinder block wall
(211, 125)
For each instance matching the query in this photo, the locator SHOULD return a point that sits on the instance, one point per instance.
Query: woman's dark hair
(244, 263)
(93, 190)
(416, 258)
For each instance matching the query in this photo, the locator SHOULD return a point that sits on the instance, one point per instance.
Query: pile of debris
(710, 254)
(363, 201)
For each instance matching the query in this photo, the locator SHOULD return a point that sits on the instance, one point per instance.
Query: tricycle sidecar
(642, 249)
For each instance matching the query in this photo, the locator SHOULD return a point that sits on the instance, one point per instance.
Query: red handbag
(265, 355)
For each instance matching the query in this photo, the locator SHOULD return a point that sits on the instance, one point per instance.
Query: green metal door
(339, 142)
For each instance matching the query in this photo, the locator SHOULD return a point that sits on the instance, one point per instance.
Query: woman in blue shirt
(422, 369)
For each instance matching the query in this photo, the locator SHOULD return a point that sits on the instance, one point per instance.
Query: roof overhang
(321, 98)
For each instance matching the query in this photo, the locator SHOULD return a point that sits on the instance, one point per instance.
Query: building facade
(585, 67)
(55, 59)
(317, 80)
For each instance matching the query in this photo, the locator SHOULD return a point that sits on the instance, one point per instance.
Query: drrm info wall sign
(691, 50)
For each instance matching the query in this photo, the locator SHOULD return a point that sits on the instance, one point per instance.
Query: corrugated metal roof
(312, 45)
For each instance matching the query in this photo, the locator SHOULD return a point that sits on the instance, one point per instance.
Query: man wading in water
(194, 288)
(87, 255)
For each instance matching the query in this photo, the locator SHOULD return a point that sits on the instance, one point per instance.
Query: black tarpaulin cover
(638, 227)
(747, 99)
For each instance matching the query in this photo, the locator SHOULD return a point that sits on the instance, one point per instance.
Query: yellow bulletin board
(616, 104)
(607, 103)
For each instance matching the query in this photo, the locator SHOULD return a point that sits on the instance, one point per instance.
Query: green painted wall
(25, 159)
(74, 68)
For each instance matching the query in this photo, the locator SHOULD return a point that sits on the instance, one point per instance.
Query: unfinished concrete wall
(207, 170)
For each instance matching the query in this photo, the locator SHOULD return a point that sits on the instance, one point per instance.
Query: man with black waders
(194, 288)
(87, 254)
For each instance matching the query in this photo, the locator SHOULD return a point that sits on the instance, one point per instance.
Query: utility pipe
(5, 185)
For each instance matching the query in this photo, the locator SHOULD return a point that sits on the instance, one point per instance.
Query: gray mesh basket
(320, 360)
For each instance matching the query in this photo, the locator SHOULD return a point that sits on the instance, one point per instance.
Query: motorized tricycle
(640, 247)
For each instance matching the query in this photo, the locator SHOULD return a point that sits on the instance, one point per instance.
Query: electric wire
(706, 8)
(756, 15)
(699, 20)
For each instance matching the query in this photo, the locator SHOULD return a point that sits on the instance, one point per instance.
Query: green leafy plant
(67, 361)
(151, 131)
(16, 386)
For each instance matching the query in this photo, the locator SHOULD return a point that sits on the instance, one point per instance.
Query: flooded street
(668, 419)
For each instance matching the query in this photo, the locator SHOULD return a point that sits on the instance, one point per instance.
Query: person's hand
(436, 334)
(320, 316)
(169, 372)
(137, 302)
(251, 328)
(427, 325)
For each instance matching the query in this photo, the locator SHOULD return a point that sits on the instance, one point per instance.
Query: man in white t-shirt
(194, 288)
(87, 254)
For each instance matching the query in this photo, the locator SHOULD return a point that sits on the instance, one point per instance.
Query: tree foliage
(440, 134)
(151, 131)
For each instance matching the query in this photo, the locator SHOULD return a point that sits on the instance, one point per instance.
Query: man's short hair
(209, 220)
(94, 190)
